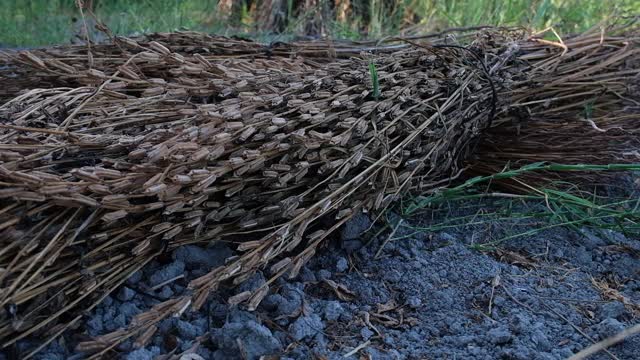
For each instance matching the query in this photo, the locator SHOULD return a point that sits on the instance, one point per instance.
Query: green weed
(570, 207)
(374, 80)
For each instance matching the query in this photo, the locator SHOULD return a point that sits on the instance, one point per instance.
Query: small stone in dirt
(307, 275)
(320, 343)
(357, 225)
(521, 323)
(167, 273)
(94, 325)
(342, 265)
(129, 309)
(125, 294)
(240, 316)
(591, 240)
(499, 335)
(389, 340)
(366, 333)
(186, 330)
(306, 326)
(540, 340)
(165, 292)
(324, 274)
(614, 309)
(414, 302)
(116, 322)
(499, 301)
(609, 327)
(464, 340)
(333, 310)
(290, 301)
(284, 305)
(140, 354)
(252, 283)
(257, 340)
(520, 353)
(582, 256)
(392, 276)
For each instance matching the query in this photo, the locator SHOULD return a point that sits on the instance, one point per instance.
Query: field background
(26, 23)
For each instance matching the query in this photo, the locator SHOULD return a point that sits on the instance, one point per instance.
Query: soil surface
(419, 295)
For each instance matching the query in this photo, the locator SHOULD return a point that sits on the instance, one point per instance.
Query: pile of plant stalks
(580, 106)
(112, 155)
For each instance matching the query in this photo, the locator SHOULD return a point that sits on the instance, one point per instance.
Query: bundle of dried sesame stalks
(581, 105)
(135, 148)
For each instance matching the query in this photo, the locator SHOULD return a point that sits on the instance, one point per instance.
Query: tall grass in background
(41, 22)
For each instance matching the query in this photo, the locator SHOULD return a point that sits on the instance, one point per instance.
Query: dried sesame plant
(580, 105)
(73, 65)
(114, 155)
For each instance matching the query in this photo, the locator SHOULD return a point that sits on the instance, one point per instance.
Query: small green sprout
(374, 80)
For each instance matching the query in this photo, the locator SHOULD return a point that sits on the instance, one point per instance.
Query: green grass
(466, 190)
(373, 72)
(539, 210)
(43, 22)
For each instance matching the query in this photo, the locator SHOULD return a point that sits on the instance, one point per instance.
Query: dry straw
(110, 158)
